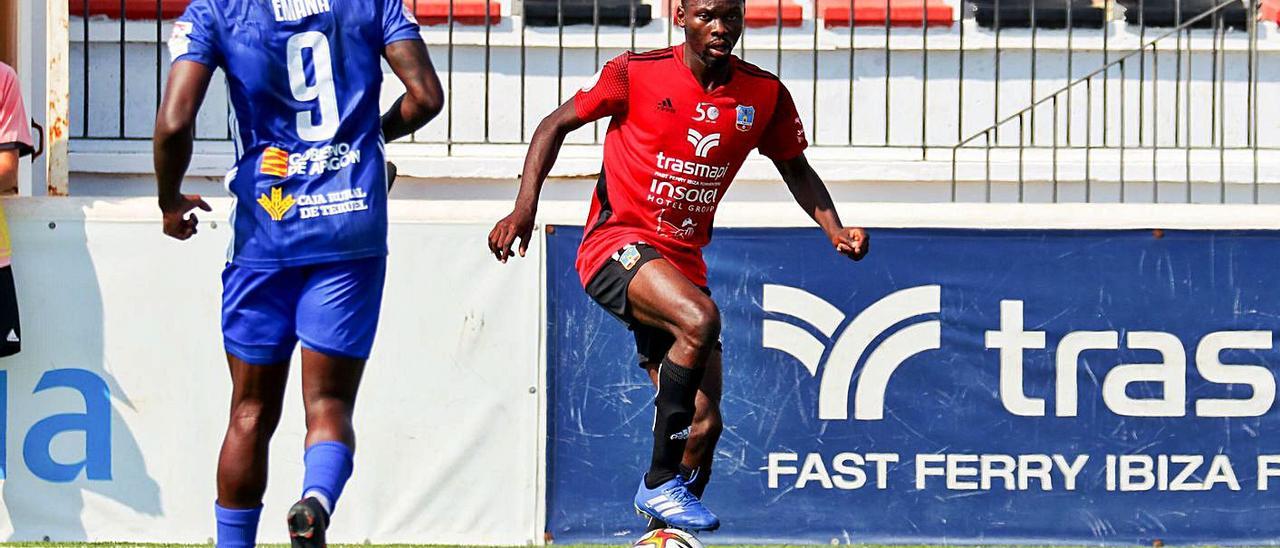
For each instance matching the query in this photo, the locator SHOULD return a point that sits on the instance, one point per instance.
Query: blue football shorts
(331, 307)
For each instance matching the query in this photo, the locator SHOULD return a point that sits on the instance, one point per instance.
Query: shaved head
(711, 28)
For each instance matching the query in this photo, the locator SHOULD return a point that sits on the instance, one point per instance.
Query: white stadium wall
(448, 417)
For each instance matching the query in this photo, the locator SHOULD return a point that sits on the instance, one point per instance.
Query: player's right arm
(171, 145)
(193, 47)
(544, 147)
(605, 95)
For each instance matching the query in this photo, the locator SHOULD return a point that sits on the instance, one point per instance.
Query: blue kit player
(308, 258)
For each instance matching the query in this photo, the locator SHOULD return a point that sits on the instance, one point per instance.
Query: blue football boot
(673, 504)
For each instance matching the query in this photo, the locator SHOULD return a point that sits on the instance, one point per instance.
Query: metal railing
(913, 93)
(1182, 111)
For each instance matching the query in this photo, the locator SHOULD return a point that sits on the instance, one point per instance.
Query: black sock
(677, 389)
(701, 476)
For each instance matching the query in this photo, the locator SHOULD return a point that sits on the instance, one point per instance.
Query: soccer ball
(667, 538)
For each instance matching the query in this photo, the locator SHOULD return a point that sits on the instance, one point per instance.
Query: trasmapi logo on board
(854, 357)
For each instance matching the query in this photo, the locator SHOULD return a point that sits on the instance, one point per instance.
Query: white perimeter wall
(450, 415)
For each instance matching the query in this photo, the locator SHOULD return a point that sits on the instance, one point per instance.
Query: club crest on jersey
(277, 205)
(746, 116)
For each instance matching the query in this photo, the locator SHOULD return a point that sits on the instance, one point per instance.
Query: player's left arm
(423, 97)
(171, 145)
(784, 142)
(810, 192)
(407, 56)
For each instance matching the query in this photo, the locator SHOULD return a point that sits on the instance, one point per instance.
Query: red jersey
(671, 151)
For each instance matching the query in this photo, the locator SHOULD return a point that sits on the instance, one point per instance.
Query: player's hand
(853, 243)
(519, 224)
(177, 223)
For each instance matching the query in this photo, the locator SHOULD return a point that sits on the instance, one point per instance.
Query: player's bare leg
(257, 393)
(660, 296)
(256, 397)
(329, 387)
(704, 433)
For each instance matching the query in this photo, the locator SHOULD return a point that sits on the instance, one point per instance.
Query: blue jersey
(303, 78)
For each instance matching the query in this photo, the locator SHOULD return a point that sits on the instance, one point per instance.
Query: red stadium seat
(901, 13)
(132, 9)
(429, 12)
(765, 13)
(465, 12)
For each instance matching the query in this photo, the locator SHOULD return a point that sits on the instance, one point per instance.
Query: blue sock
(236, 528)
(328, 465)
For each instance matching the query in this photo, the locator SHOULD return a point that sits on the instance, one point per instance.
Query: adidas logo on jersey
(666, 106)
(13, 336)
(293, 10)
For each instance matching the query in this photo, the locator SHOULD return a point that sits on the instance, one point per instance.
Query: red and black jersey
(672, 149)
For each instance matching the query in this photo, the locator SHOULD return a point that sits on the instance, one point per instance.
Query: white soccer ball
(667, 538)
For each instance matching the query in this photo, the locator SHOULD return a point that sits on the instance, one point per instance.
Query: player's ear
(680, 13)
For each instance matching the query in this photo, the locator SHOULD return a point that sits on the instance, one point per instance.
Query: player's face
(711, 27)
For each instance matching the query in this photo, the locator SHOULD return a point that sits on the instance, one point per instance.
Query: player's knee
(327, 410)
(254, 418)
(700, 325)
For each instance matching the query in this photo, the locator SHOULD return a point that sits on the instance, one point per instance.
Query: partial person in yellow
(15, 142)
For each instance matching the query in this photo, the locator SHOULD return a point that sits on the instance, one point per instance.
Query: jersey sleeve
(398, 23)
(783, 138)
(15, 127)
(606, 93)
(195, 35)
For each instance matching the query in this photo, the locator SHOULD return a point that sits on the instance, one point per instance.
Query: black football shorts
(609, 289)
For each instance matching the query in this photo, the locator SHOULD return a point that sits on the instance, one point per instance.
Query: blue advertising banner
(955, 386)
